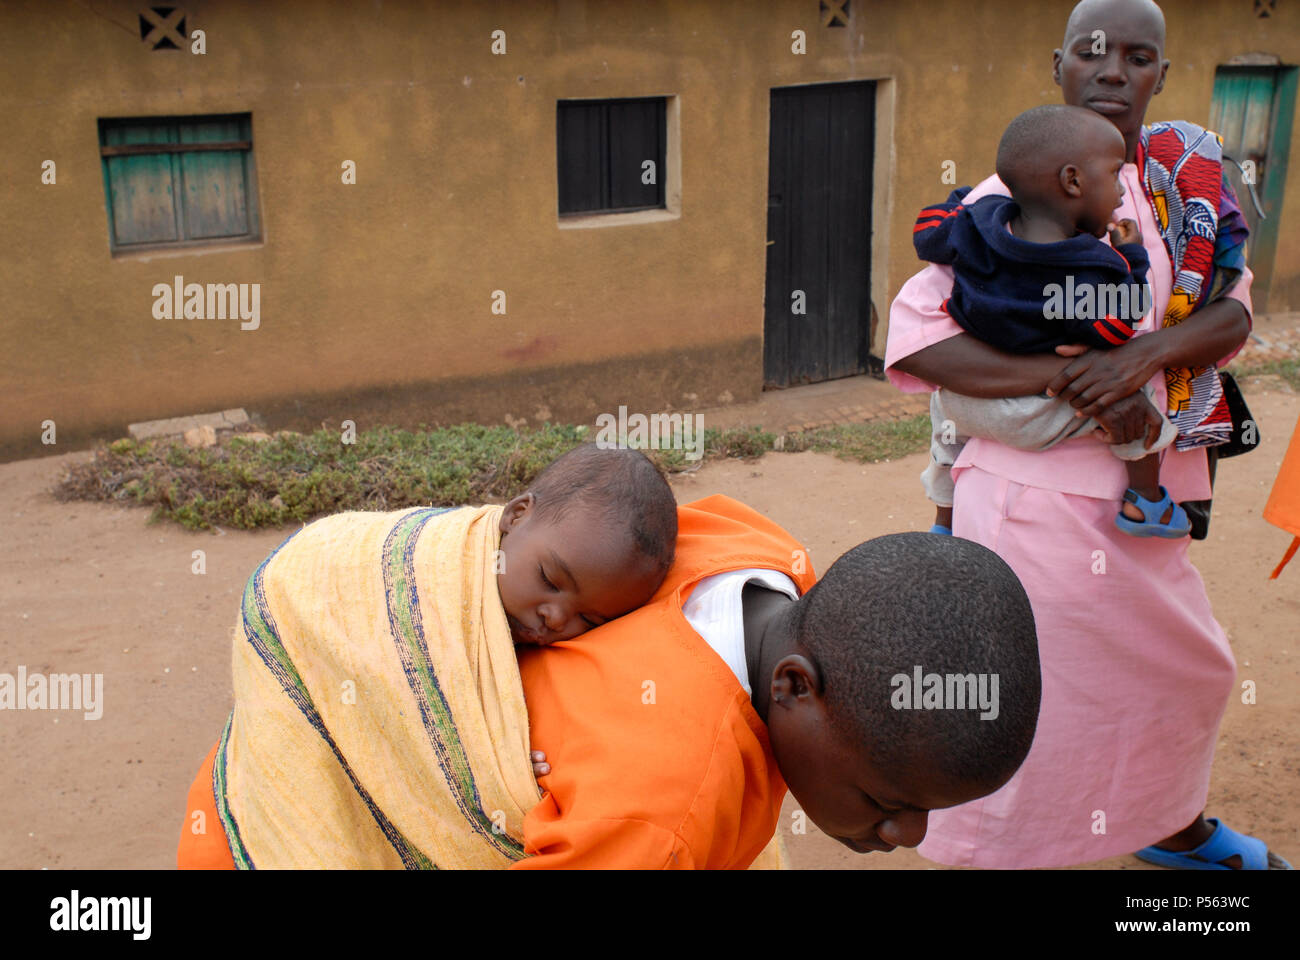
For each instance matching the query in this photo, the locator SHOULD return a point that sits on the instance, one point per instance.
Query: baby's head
(865, 753)
(589, 541)
(1063, 162)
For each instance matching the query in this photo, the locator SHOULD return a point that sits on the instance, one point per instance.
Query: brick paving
(861, 399)
(175, 426)
(864, 399)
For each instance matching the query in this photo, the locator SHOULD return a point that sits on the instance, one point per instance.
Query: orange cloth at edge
(1283, 507)
(207, 850)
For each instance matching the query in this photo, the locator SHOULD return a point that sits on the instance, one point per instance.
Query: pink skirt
(1136, 677)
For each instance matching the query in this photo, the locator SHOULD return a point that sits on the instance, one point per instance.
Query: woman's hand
(1097, 379)
(1129, 418)
(970, 366)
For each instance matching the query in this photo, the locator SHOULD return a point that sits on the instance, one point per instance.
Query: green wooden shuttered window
(179, 181)
(602, 147)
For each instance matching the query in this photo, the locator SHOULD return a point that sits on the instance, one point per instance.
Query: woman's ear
(1069, 177)
(1160, 84)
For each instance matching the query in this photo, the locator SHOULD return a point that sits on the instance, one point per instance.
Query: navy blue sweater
(1027, 297)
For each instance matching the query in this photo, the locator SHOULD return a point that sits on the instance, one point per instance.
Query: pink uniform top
(1083, 466)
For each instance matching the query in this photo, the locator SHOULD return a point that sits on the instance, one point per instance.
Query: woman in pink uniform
(1136, 671)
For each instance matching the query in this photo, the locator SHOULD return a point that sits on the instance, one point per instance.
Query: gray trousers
(1027, 423)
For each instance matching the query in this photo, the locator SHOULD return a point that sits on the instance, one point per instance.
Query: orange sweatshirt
(658, 758)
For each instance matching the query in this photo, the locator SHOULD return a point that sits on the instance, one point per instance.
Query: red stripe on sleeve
(1100, 327)
(1123, 329)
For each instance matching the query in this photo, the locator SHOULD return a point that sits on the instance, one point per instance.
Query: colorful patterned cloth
(379, 717)
(1205, 234)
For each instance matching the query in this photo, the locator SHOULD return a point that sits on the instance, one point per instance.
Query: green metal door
(1252, 109)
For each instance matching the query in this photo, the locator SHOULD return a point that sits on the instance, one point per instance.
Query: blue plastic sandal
(1152, 511)
(1224, 842)
(939, 528)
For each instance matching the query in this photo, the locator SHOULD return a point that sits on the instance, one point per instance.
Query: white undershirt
(715, 610)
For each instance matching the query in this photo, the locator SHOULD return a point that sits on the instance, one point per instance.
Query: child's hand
(1125, 231)
(540, 767)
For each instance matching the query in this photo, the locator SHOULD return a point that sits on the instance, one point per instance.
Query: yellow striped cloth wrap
(379, 718)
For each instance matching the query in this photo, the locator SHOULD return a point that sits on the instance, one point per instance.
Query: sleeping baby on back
(379, 716)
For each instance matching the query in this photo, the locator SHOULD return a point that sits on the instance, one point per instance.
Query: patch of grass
(868, 442)
(293, 478)
(1288, 370)
(736, 443)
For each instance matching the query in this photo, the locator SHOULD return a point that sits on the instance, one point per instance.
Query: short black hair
(1040, 141)
(624, 485)
(949, 606)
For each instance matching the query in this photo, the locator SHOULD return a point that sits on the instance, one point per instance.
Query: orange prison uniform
(658, 758)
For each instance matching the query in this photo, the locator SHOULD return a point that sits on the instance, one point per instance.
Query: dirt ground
(91, 588)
